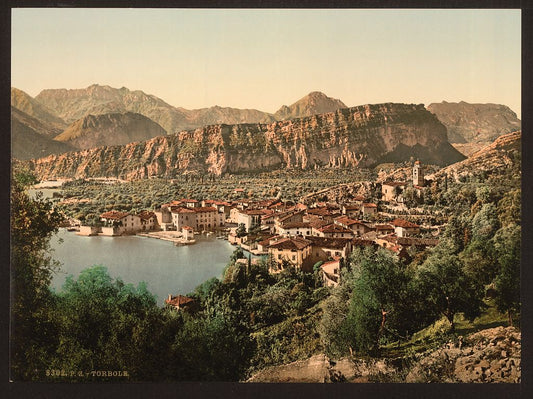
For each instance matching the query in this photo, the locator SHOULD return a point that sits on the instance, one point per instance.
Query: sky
(263, 59)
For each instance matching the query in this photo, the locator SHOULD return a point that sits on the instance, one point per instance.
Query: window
(293, 257)
(279, 256)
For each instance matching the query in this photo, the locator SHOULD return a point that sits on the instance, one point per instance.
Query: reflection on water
(165, 268)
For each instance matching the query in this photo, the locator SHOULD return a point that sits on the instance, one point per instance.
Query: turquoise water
(166, 268)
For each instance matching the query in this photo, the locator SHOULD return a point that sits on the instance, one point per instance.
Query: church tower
(418, 174)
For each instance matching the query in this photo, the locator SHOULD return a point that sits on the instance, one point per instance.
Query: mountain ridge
(349, 137)
(110, 129)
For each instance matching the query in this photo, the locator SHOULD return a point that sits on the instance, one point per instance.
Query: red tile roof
(179, 300)
(331, 243)
(291, 243)
(296, 225)
(334, 228)
(181, 209)
(146, 215)
(370, 205)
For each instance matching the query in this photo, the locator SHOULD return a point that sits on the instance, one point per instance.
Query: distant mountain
(229, 116)
(74, 104)
(27, 104)
(475, 123)
(31, 139)
(350, 137)
(312, 104)
(38, 125)
(110, 129)
(503, 153)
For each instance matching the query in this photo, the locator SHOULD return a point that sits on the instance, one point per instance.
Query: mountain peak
(314, 103)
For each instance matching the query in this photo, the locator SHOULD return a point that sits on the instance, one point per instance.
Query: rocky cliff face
(350, 137)
(475, 123)
(503, 153)
(110, 129)
(312, 104)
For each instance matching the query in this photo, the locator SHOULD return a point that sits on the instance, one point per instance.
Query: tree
(380, 293)
(33, 334)
(507, 281)
(241, 230)
(99, 317)
(449, 290)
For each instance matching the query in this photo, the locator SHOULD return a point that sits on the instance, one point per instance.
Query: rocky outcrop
(350, 137)
(110, 129)
(312, 104)
(503, 153)
(492, 355)
(475, 123)
(488, 356)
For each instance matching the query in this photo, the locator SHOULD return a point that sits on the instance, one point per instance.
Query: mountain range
(349, 137)
(104, 116)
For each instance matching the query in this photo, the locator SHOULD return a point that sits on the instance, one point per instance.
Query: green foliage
(448, 288)
(507, 281)
(33, 221)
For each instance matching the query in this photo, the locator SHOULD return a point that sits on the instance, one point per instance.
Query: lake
(167, 269)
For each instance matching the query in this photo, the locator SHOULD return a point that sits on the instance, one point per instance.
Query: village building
(323, 213)
(164, 218)
(267, 221)
(208, 218)
(418, 174)
(221, 206)
(404, 228)
(199, 218)
(351, 211)
(356, 226)
(190, 203)
(333, 231)
(331, 273)
(249, 217)
(293, 251)
(187, 233)
(383, 229)
(118, 223)
(324, 248)
(148, 221)
(287, 217)
(182, 216)
(392, 191)
(368, 209)
(181, 302)
(294, 229)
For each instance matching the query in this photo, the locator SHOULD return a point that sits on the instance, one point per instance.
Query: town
(302, 236)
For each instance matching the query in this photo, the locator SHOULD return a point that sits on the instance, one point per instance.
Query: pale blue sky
(262, 59)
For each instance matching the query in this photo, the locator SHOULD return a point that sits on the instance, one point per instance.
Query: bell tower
(418, 174)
